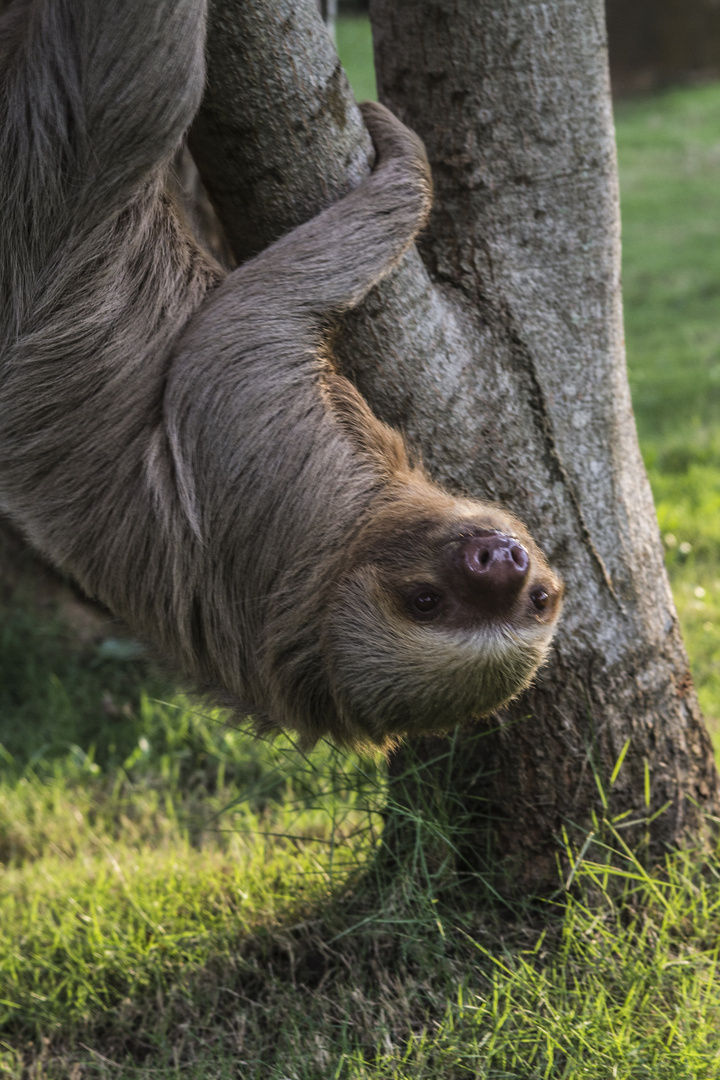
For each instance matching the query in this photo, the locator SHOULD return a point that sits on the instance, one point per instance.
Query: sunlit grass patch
(211, 906)
(141, 884)
(688, 508)
(669, 156)
(86, 936)
(619, 987)
(615, 976)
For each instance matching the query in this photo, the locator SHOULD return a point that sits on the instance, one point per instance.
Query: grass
(134, 943)
(113, 895)
(354, 45)
(178, 900)
(166, 885)
(669, 156)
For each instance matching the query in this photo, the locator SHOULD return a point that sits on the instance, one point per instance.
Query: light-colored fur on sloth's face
(391, 675)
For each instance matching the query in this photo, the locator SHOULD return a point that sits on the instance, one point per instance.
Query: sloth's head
(444, 614)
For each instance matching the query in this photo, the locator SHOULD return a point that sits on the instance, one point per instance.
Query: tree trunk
(498, 350)
(278, 137)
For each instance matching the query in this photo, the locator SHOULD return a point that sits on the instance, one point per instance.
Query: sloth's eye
(539, 598)
(424, 601)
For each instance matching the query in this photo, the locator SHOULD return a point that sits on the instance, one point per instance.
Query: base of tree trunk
(512, 798)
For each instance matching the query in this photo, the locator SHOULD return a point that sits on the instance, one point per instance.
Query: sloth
(177, 438)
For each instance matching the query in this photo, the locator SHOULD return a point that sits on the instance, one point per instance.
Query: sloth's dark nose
(494, 566)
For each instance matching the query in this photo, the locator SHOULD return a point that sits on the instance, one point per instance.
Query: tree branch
(279, 136)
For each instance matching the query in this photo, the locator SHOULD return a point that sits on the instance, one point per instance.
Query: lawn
(669, 156)
(178, 900)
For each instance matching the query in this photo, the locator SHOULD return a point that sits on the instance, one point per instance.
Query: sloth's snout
(494, 566)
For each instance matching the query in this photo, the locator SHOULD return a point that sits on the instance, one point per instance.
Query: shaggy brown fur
(175, 437)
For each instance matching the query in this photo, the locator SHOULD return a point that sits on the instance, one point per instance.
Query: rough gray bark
(278, 137)
(498, 349)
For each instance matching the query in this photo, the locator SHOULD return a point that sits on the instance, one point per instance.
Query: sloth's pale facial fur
(446, 615)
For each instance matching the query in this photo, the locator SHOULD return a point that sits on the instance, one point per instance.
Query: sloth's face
(473, 576)
(439, 621)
